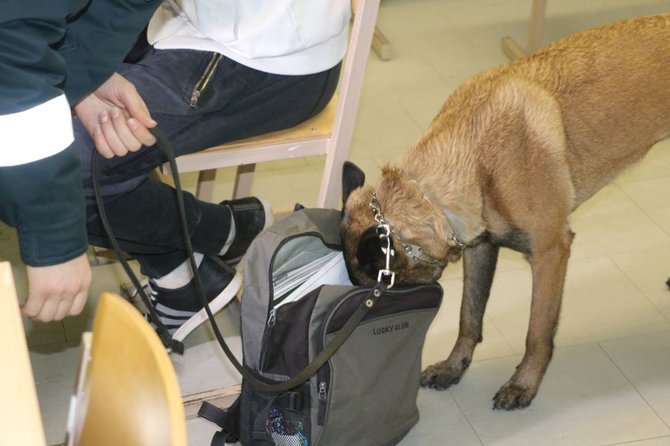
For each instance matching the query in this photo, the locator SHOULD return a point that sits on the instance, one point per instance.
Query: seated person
(213, 72)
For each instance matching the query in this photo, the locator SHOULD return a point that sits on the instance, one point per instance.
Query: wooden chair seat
(127, 391)
(319, 126)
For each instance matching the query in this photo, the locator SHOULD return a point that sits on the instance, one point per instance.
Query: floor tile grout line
(614, 363)
(472, 427)
(639, 440)
(620, 181)
(640, 290)
(637, 205)
(491, 321)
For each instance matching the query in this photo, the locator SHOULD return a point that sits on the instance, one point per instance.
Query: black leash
(163, 333)
(175, 346)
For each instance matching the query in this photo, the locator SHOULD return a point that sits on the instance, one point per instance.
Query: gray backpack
(337, 365)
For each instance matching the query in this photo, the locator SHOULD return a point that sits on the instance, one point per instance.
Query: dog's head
(419, 238)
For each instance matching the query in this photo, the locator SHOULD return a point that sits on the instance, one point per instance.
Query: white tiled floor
(609, 381)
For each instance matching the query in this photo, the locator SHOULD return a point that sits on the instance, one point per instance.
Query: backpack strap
(228, 420)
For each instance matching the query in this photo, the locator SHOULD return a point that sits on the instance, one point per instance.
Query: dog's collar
(454, 233)
(414, 252)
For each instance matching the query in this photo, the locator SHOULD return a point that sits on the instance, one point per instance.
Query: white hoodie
(275, 36)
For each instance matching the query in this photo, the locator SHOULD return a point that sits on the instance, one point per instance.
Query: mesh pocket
(282, 420)
(286, 427)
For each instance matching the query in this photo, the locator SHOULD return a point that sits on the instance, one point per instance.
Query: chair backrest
(328, 133)
(351, 85)
(19, 408)
(127, 390)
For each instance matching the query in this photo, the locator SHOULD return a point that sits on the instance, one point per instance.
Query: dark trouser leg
(238, 102)
(153, 232)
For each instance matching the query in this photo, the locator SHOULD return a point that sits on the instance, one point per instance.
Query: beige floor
(609, 381)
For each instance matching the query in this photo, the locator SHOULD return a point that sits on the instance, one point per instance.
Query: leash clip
(384, 231)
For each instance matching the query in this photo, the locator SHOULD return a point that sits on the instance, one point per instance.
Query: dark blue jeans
(236, 102)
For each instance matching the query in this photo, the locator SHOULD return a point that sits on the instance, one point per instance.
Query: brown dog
(509, 156)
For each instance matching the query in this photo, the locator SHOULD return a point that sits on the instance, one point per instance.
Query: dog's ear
(352, 178)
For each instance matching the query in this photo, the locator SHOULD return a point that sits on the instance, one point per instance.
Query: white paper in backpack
(333, 272)
(290, 280)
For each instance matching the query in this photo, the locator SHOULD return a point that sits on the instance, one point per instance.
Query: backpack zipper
(267, 336)
(323, 395)
(204, 80)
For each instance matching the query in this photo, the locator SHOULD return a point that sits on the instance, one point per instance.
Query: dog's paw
(440, 376)
(513, 396)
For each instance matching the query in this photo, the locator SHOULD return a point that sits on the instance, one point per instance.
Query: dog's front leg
(479, 264)
(548, 266)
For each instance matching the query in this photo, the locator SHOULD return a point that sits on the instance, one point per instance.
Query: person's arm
(40, 184)
(111, 110)
(44, 201)
(39, 178)
(40, 188)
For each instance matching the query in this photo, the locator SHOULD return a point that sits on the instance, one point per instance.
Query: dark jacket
(49, 48)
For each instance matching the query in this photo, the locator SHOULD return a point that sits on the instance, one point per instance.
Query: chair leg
(331, 182)
(536, 26)
(205, 189)
(535, 33)
(381, 45)
(243, 180)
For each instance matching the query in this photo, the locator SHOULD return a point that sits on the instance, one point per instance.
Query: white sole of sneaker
(267, 207)
(215, 305)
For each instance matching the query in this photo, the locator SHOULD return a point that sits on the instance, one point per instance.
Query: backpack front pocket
(379, 365)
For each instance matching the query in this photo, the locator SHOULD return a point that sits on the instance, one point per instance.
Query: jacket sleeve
(97, 41)
(44, 201)
(50, 49)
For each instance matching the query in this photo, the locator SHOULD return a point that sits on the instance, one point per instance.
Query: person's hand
(116, 117)
(57, 291)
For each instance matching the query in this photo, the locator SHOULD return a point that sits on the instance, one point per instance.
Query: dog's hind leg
(479, 264)
(549, 265)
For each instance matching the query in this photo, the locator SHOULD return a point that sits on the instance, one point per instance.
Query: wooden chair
(329, 133)
(19, 407)
(127, 391)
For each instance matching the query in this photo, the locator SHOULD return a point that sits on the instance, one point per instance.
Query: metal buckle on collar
(417, 254)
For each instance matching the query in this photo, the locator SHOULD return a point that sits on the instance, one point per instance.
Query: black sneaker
(181, 310)
(251, 216)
